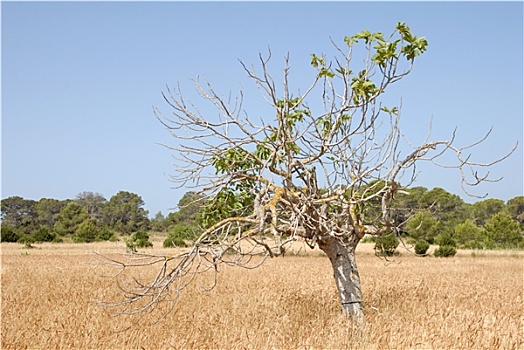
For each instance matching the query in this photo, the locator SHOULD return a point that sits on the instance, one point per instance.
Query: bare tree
(325, 178)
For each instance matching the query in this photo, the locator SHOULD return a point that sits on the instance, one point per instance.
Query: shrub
(473, 245)
(501, 231)
(27, 241)
(106, 235)
(179, 235)
(174, 242)
(139, 239)
(8, 234)
(86, 232)
(466, 234)
(386, 245)
(58, 239)
(421, 247)
(44, 235)
(445, 251)
(446, 240)
(411, 240)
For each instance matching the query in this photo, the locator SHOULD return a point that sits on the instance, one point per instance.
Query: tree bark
(341, 253)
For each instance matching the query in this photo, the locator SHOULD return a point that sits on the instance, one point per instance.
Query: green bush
(58, 239)
(43, 234)
(171, 241)
(86, 232)
(179, 235)
(473, 245)
(8, 234)
(106, 235)
(501, 231)
(139, 239)
(27, 241)
(411, 240)
(446, 240)
(445, 251)
(421, 247)
(386, 244)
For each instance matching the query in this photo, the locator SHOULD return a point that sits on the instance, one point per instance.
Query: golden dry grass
(49, 302)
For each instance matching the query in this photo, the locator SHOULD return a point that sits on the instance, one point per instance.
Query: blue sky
(80, 79)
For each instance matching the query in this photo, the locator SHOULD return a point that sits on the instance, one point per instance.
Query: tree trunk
(341, 253)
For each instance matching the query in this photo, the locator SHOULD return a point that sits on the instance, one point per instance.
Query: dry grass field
(49, 301)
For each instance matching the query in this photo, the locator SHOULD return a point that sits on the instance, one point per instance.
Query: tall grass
(49, 302)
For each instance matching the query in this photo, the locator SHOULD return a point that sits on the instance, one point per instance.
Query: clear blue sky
(79, 81)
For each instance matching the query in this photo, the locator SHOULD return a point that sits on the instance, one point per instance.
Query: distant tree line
(432, 216)
(439, 217)
(87, 218)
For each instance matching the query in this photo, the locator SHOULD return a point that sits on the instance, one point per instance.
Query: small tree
(93, 203)
(324, 171)
(139, 239)
(8, 234)
(43, 234)
(468, 235)
(445, 251)
(423, 225)
(502, 231)
(86, 232)
(386, 244)
(515, 208)
(180, 234)
(20, 214)
(421, 247)
(69, 218)
(447, 246)
(125, 213)
(106, 235)
(485, 209)
(158, 223)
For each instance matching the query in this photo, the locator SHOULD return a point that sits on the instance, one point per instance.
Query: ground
(473, 300)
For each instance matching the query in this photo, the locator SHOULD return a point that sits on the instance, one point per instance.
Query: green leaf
(316, 61)
(393, 110)
(343, 71)
(324, 72)
(350, 40)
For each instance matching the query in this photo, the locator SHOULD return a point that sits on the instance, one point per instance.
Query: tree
(303, 176)
(139, 239)
(421, 247)
(446, 246)
(185, 223)
(20, 214)
(468, 235)
(87, 231)
(93, 202)
(124, 212)
(449, 209)
(158, 223)
(515, 208)
(423, 225)
(44, 234)
(70, 218)
(485, 209)
(8, 234)
(47, 210)
(502, 231)
(386, 244)
(408, 203)
(179, 234)
(189, 211)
